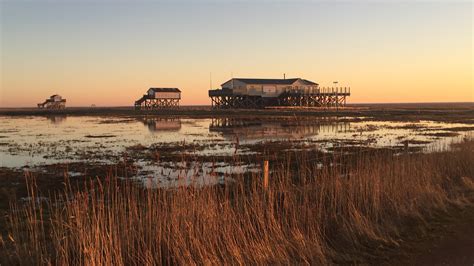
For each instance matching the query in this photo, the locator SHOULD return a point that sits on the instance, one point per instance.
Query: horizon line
(207, 105)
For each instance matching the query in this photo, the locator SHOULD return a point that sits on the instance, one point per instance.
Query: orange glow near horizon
(415, 86)
(109, 55)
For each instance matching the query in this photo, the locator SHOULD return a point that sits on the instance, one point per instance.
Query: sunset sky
(109, 53)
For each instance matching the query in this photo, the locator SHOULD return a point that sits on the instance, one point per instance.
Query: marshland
(366, 186)
(197, 132)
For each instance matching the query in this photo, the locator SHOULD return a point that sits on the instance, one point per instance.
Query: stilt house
(159, 98)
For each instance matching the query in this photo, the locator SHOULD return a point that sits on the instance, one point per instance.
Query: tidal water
(33, 141)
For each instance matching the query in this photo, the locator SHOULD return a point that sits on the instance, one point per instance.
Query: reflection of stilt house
(260, 93)
(273, 129)
(165, 124)
(54, 102)
(159, 98)
(57, 119)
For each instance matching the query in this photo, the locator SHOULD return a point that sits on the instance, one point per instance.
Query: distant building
(159, 98)
(260, 93)
(54, 102)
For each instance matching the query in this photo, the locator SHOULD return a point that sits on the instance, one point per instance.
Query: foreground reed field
(308, 214)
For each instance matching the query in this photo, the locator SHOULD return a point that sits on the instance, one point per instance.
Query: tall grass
(307, 215)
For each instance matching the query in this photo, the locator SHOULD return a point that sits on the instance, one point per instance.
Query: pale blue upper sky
(387, 51)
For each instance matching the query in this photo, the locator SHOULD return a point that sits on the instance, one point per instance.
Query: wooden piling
(265, 174)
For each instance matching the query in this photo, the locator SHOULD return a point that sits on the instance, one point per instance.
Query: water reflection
(104, 139)
(56, 119)
(274, 129)
(194, 174)
(161, 124)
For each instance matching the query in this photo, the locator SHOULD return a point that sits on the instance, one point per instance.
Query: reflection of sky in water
(195, 174)
(26, 140)
(43, 140)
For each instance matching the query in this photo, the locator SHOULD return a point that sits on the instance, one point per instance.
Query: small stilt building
(261, 93)
(159, 98)
(54, 102)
